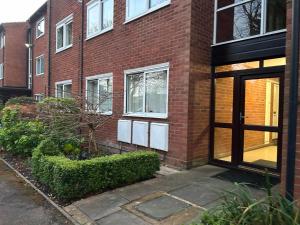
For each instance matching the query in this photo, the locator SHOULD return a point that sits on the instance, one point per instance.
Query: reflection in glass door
(259, 119)
(223, 118)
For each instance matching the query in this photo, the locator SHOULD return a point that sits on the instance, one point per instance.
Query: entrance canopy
(11, 92)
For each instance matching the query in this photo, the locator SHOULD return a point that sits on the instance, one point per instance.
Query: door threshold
(259, 171)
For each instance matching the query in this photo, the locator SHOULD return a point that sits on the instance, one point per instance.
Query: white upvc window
(138, 8)
(244, 19)
(40, 28)
(146, 91)
(38, 97)
(64, 34)
(99, 93)
(2, 40)
(1, 71)
(100, 16)
(63, 89)
(40, 65)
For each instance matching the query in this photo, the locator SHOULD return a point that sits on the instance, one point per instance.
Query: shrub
(239, 207)
(17, 136)
(48, 147)
(21, 100)
(69, 179)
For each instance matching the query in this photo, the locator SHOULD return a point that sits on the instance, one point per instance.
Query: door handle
(241, 117)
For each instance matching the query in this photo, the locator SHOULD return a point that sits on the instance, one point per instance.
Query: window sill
(130, 19)
(147, 115)
(98, 33)
(38, 75)
(37, 37)
(63, 49)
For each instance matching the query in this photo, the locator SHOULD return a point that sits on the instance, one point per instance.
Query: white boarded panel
(140, 133)
(124, 131)
(159, 136)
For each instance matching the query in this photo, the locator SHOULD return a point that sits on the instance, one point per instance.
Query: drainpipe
(49, 47)
(293, 103)
(81, 50)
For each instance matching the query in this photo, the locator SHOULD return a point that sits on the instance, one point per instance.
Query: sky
(18, 10)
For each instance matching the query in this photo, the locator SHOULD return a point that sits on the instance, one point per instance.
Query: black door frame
(235, 126)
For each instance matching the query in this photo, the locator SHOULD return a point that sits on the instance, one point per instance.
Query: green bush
(49, 148)
(17, 136)
(20, 100)
(69, 179)
(240, 207)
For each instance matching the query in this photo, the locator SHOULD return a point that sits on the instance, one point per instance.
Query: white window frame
(36, 28)
(150, 10)
(2, 40)
(37, 96)
(1, 71)
(63, 83)
(36, 65)
(99, 77)
(148, 69)
(89, 5)
(262, 27)
(63, 24)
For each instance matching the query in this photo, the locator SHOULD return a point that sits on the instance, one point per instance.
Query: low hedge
(71, 179)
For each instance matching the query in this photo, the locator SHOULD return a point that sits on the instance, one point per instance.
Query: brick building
(12, 57)
(198, 81)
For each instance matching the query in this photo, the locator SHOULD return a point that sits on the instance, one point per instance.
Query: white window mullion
(144, 92)
(264, 16)
(100, 14)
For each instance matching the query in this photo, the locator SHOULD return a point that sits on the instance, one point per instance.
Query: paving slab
(162, 207)
(101, 205)
(198, 194)
(20, 204)
(121, 217)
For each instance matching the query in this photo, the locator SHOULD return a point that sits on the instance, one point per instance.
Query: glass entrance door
(246, 128)
(259, 121)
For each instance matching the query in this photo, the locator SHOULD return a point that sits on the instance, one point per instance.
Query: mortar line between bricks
(61, 210)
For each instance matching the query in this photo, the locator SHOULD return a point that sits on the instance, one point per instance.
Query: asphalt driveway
(22, 205)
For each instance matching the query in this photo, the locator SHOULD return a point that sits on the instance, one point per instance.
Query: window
(99, 93)
(2, 40)
(40, 28)
(64, 34)
(99, 17)
(38, 97)
(40, 65)
(137, 8)
(242, 19)
(147, 91)
(1, 71)
(63, 89)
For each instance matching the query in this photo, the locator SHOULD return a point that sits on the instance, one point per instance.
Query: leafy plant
(18, 136)
(49, 148)
(70, 179)
(21, 100)
(240, 207)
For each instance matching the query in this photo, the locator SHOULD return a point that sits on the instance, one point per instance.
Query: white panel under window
(124, 131)
(140, 133)
(159, 136)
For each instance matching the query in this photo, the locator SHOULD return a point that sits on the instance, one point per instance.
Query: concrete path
(22, 205)
(176, 199)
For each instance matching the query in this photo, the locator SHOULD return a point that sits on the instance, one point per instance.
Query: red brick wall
(40, 47)
(286, 109)
(162, 36)
(199, 81)
(15, 55)
(65, 65)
